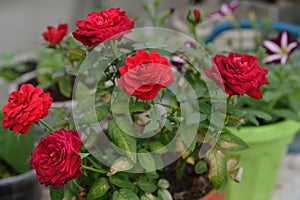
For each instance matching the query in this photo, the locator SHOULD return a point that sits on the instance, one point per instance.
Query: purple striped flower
(280, 48)
(225, 9)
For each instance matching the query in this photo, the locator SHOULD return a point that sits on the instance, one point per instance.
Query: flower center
(284, 51)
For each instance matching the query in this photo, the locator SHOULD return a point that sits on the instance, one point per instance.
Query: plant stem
(101, 171)
(113, 47)
(47, 125)
(65, 53)
(194, 32)
(76, 184)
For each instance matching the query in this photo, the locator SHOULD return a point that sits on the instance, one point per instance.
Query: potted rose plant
(278, 112)
(279, 121)
(142, 122)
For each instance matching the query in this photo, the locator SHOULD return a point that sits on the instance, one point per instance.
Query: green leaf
(146, 160)
(146, 185)
(65, 86)
(124, 194)
(200, 167)
(217, 169)
(83, 155)
(121, 180)
(152, 175)
(158, 147)
(90, 118)
(164, 194)
(57, 194)
(125, 142)
(188, 133)
(82, 93)
(218, 119)
(232, 162)
(148, 197)
(58, 73)
(121, 164)
(163, 184)
(159, 163)
(259, 114)
(151, 126)
(287, 114)
(154, 115)
(16, 148)
(120, 107)
(98, 189)
(139, 107)
(193, 119)
(252, 119)
(72, 189)
(168, 125)
(77, 53)
(231, 142)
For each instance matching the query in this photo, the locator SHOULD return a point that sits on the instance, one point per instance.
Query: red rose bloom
(55, 36)
(25, 107)
(56, 159)
(145, 74)
(238, 74)
(197, 15)
(103, 25)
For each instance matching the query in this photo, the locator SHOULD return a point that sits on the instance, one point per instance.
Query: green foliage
(196, 113)
(164, 194)
(126, 144)
(124, 194)
(120, 164)
(163, 184)
(95, 115)
(121, 180)
(57, 194)
(146, 185)
(15, 148)
(98, 189)
(158, 147)
(231, 142)
(65, 86)
(217, 173)
(146, 160)
(200, 167)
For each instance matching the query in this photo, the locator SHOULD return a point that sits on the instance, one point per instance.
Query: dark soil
(190, 187)
(6, 171)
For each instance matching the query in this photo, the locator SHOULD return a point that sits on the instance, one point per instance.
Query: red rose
(56, 159)
(145, 74)
(238, 74)
(103, 25)
(197, 15)
(55, 36)
(25, 107)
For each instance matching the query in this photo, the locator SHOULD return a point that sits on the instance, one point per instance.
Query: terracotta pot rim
(213, 195)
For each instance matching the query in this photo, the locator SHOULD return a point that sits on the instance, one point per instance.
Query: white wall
(23, 21)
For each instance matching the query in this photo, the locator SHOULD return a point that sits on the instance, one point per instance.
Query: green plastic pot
(262, 161)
